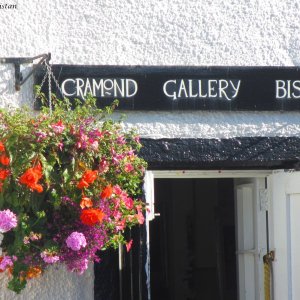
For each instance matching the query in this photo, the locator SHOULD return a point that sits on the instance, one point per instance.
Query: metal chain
(57, 84)
(49, 87)
(48, 75)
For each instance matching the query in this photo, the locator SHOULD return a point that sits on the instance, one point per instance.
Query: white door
(251, 240)
(285, 187)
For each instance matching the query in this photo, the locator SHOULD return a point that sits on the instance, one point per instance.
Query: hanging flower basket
(69, 182)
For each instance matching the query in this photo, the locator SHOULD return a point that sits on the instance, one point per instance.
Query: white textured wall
(55, 284)
(153, 32)
(213, 124)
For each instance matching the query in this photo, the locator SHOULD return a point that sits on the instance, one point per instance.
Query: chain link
(57, 84)
(48, 75)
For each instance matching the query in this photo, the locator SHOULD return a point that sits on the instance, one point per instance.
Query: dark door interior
(192, 243)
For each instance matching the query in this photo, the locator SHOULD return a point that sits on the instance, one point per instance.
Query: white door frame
(285, 204)
(188, 174)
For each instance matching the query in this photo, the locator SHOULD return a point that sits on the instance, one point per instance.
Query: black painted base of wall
(190, 154)
(234, 153)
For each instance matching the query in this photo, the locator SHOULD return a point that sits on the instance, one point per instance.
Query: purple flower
(78, 265)
(76, 241)
(49, 258)
(7, 261)
(8, 220)
(41, 136)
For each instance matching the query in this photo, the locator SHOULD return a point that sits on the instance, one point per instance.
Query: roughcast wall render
(151, 32)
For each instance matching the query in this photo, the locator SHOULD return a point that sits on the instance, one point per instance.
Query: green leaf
(66, 175)
(17, 284)
(1, 200)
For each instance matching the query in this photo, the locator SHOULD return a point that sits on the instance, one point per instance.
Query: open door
(285, 187)
(251, 241)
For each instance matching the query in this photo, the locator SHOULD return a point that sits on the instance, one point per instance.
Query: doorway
(193, 241)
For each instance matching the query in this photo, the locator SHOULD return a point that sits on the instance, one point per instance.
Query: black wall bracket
(18, 61)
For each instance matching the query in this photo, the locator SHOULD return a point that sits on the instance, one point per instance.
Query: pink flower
(121, 140)
(49, 258)
(137, 139)
(41, 136)
(128, 202)
(121, 225)
(140, 218)
(78, 145)
(130, 218)
(60, 146)
(139, 215)
(129, 245)
(103, 166)
(35, 236)
(6, 261)
(128, 168)
(117, 215)
(58, 127)
(94, 145)
(117, 190)
(26, 240)
(8, 220)
(76, 241)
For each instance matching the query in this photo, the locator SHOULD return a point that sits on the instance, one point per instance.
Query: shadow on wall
(8, 94)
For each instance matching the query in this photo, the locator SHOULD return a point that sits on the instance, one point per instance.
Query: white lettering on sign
(202, 88)
(287, 89)
(103, 87)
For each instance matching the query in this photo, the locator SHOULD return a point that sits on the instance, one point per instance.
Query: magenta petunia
(8, 220)
(76, 241)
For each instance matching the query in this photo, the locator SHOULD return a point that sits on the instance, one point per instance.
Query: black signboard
(181, 88)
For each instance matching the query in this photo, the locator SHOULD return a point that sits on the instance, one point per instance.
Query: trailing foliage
(69, 182)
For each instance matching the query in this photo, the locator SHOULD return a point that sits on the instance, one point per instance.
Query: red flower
(92, 216)
(4, 160)
(82, 184)
(87, 178)
(2, 148)
(31, 178)
(3, 174)
(107, 192)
